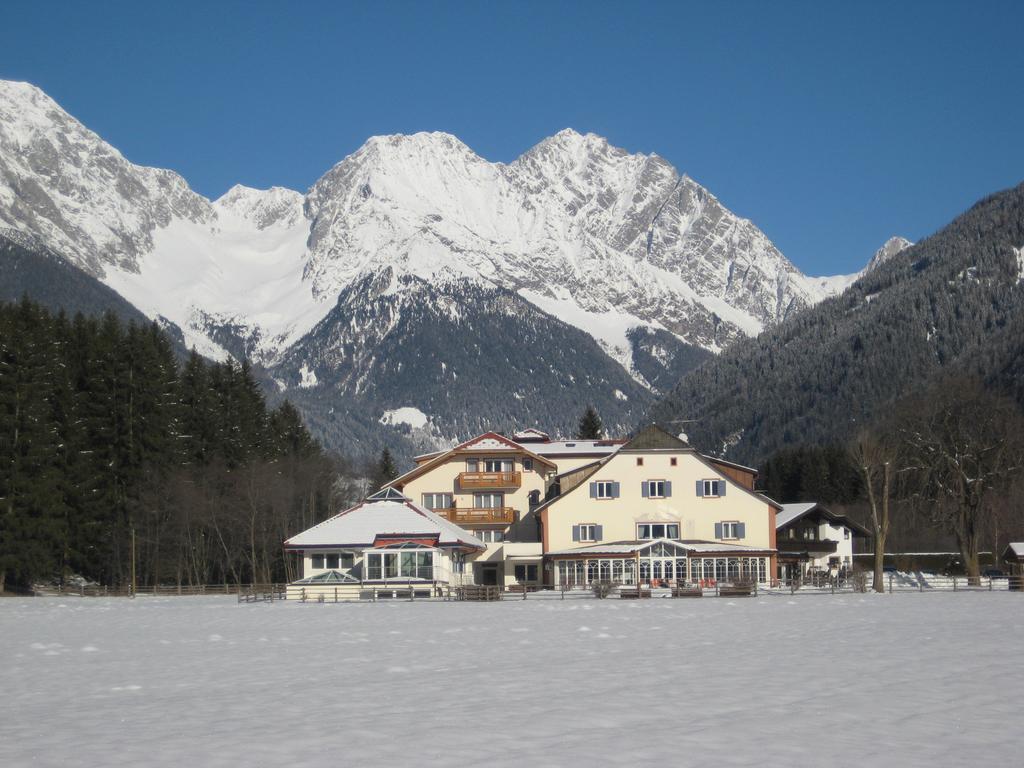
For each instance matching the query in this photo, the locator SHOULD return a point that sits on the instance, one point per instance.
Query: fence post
(954, 583)
(990, 583)
(890, 583)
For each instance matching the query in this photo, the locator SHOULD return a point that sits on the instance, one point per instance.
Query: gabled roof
(489, 442)
(389, 514)
(654, 438)
(1015, 549)
(792, 512)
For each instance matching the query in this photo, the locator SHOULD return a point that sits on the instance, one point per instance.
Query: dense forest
(115, 457)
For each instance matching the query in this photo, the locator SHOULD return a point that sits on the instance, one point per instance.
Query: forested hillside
(953, 303)
(105, 438)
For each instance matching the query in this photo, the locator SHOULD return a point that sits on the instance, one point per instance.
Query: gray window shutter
(700, 487)
(575, 533)
(644, 490)
(721, 487)
(668, 488)
(718, 530)
(598, 532)
(741, 531)
(615, 490)
(593, 490)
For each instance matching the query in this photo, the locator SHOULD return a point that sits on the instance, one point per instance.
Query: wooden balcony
(490, 480)
(815, 546)
(478, 515)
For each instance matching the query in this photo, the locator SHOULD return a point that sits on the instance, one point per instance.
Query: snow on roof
(383, 515)
(791, 512)
(565, 447)
(632, 547)
(530, 434)
(1017, 547)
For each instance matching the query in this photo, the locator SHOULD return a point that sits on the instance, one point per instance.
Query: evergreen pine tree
(590, 426)
(385, 470)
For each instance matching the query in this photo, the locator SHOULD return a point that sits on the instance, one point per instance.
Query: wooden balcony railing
(490, 479)
(806, 545)
(478, 515)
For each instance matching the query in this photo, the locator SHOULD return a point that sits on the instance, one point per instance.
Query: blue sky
(832, 126)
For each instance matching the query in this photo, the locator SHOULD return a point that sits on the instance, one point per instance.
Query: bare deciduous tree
(963, 446)
(875, 455)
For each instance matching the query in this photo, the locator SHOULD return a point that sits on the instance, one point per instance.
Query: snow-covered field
(846, 680)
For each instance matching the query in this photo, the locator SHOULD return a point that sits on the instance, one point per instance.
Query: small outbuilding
(381, 547)
(1013, 556)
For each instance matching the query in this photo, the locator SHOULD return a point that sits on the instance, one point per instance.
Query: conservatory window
(418, 564)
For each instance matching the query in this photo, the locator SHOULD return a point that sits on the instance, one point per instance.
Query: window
(490, 536)
(711, 488)
(348, 560)
(673, 461)
(646, 531)
(731, 530)
(317, 561)
(846, 533)
(498, 465)
(438, 500)
(331, 561)
(488, 500)
(526, 573)
(587, 532)
(527, 465)
(605, 489)
(414, 564)
(656, 489)
(639, 461)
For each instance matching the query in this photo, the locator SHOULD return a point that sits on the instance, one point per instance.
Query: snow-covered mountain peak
(891, 247)
(62, 183)
(277, 206)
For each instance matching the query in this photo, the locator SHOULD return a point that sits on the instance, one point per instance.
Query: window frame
(730, 530)
(665, 527)
(591, 529)
(394, 561)
(433, 497)
(650, 489)
(713, 484)
(527, 568)
(608, 485)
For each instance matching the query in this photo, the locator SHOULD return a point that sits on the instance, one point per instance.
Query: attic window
(673, 461)
(639, 461)
(570, 445)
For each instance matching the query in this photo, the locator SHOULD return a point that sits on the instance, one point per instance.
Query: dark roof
(653, 438)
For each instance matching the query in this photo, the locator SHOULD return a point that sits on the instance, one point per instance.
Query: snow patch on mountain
(1020, 264)
(307, 377)
(409, 415)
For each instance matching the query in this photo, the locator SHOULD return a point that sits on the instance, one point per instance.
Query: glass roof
(329, 577)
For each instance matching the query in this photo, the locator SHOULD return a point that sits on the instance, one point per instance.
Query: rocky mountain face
(950, 304)
(614, 252)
